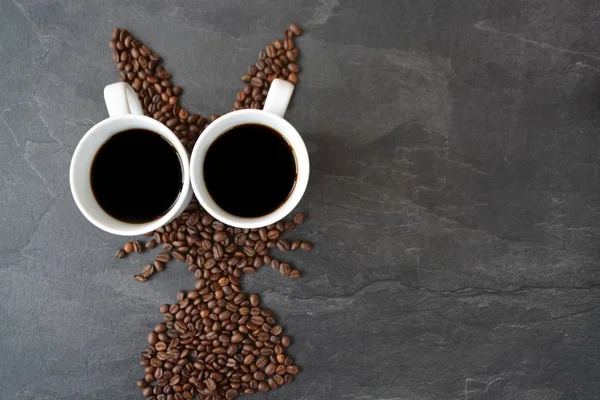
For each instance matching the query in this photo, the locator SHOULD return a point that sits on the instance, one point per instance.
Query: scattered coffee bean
(295, 28)
(299, 218)
(137, 246)
(128, 247)
(306, 246)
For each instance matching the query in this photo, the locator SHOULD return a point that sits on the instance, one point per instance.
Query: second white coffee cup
(271, 116)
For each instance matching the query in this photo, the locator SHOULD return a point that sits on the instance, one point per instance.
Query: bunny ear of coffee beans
(216, 341)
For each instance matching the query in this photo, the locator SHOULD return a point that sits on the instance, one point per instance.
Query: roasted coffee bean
(273, 234)
(152, 338)
(299, 218)
(279, 379)
(147, 271)
(285, 269)
(306, 246)
(276, 330)
(283, 245)
(137, 246)
(128, 247)
(291, 57)
(257, 82)
(159, 265)
(219, 236)
(120, 253)
(296, 29)
(293, 67)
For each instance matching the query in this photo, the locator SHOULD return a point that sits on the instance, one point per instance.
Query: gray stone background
(454, 200)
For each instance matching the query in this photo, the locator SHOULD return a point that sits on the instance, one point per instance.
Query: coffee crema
(136, 176)
(250, 170)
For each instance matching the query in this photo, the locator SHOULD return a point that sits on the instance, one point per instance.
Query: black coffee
(250, 170)
(136, 176)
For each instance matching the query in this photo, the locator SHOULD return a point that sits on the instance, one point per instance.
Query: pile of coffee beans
(278, 60)
(140, 67)
(216, 342)
(214, 250)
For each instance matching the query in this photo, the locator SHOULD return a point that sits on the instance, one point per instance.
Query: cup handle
(279, 97)
(121, 99)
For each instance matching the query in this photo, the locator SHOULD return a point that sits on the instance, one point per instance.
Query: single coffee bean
(147, 271)
(137, 246)
(296, 29)
(285, 269)
(280, 370)
(128, 247)
(283, 245)
(270, 369)
(263, 387)
(257, 82)
(219, 236)
(276, 330)
(159, 266)
(210, 384)
(163, 257)
(291, 57)
(288, 44)
(306, 246)
(293, 67)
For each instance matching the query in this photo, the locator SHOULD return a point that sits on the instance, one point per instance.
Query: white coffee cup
(125, 112)
(271, 115)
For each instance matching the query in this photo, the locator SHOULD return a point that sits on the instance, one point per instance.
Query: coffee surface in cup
(136, 176)
(250, 170)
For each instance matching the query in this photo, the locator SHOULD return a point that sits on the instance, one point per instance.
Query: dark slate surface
(454, 200)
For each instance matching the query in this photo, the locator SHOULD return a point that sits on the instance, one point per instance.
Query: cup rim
(222, 125)
(125, 228)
